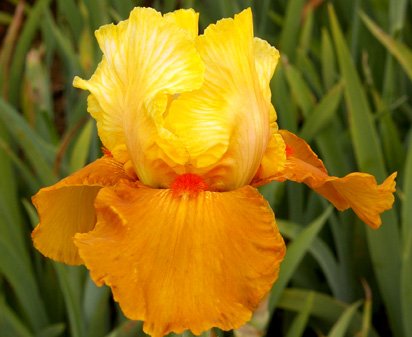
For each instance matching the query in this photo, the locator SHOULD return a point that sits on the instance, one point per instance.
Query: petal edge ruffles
(358, 191)
(66, 208)
(183, 262)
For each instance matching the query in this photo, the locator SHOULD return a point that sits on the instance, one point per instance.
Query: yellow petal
(266, 60)
(358, 191)
(273, 161)
(181, 260)
(66, 208)
(147, 60)
(225, 125)
(187, 19)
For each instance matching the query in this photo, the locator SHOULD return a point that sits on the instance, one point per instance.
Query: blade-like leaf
(10, 324)
(402, 53)
(299, 323)
(340, 328)
(21, 278)
(406, 271)
(324, 307)
(320, 252)
(23, 45)
(386, 262)
(322, 114)
(295, 253)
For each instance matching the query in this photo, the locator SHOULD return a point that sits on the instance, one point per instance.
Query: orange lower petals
(358, 191)
(183, 261)
(66, 208)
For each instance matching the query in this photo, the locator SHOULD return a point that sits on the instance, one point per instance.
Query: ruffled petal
(266, 60)
(183, 261)
(361, 192)
(273, 161)
(148, 60)
(187, 19)
(358, 191)
(66, 208)
(225, 125)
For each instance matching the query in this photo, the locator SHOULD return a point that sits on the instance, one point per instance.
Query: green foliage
(343, 84)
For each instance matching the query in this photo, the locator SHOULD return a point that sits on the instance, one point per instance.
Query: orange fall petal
(183, 261)
(66, 208)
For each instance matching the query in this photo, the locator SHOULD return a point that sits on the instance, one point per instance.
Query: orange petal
(66, 208)
(183, 261)
(358, 191)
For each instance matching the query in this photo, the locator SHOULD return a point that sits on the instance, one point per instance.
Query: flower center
(188, 183)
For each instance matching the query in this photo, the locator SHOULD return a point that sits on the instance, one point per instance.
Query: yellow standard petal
(183, 259)
(66, 208)
(226, 124)
(358, 191)
(148, 60)
(273, 161)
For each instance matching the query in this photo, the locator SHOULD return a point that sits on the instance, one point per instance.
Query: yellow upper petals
(187, 19)
(147, 60)
(225, 125)
(66, 208)
(204, 269)
(358, 191)
(273, 161)
(266, 60)
(181, 103)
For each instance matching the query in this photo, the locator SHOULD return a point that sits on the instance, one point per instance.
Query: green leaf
(399, 50)
(300, 90)
(364, 135)
(10, 324)
(81, 148)
(306, 32)
(287, 112)
(322, 114)
(295, 252)
(340, 328)
(98, 12)
(23, 46)
(30, 180)
(5, 18)
(328, 60)
(65, 47)
(320, 252)
(39, 153)
(298, 325)
(310, 72)
(406, 270)
(54, 330)
(324, 307)
(386, 262)
(71, 293)
(96, 309)
(70, 9)
(290, 32)
(21, 278)
(397, 15)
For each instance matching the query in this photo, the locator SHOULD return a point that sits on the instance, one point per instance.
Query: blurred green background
(343, 84)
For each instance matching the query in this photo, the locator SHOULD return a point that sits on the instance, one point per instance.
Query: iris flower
(170, 217)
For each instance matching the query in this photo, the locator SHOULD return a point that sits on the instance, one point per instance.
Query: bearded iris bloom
(170, 217)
